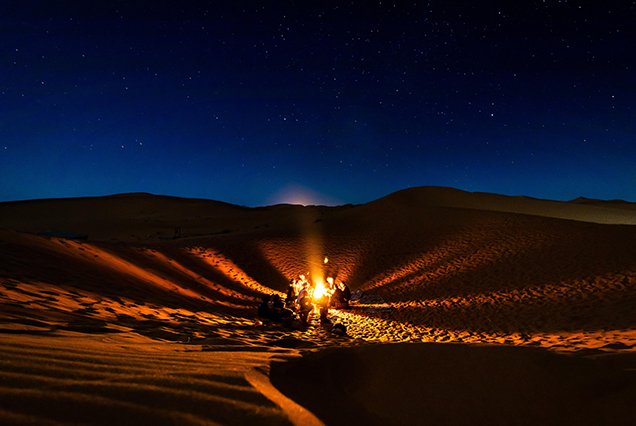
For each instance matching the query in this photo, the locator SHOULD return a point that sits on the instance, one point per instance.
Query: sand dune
(456, 385)
(581, 209)
(141, 217)
(138, 308)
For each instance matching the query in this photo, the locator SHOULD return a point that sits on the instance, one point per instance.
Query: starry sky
(255, 103)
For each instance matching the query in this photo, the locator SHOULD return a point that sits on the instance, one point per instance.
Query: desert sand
(469, 308)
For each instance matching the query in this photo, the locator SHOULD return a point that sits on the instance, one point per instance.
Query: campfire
(316, 286)
(319, 290)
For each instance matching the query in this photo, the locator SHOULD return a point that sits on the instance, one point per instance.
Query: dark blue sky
(247, 102)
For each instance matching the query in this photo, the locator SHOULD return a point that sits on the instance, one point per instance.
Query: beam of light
(110, 260)
(314, 250)
(231, 270)
(162, 258)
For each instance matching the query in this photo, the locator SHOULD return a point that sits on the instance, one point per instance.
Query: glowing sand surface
(132, 326)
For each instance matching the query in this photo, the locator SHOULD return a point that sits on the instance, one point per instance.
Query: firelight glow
(320, 290)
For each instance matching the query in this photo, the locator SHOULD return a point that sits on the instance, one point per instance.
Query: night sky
(252, 102)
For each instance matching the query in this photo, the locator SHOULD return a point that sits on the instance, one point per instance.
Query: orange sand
(138, 308)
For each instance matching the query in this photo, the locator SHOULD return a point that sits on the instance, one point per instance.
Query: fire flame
(320, 290)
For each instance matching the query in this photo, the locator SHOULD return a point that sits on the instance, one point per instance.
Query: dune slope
(458, 384)
(95, 281)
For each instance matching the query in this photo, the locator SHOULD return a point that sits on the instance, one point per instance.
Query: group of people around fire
(302, 298)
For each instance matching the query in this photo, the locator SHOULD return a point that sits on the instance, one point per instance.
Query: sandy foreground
(470, 309)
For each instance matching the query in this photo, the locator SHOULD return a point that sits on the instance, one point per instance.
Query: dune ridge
(585, 210)
(128, 281)
(141, 216)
